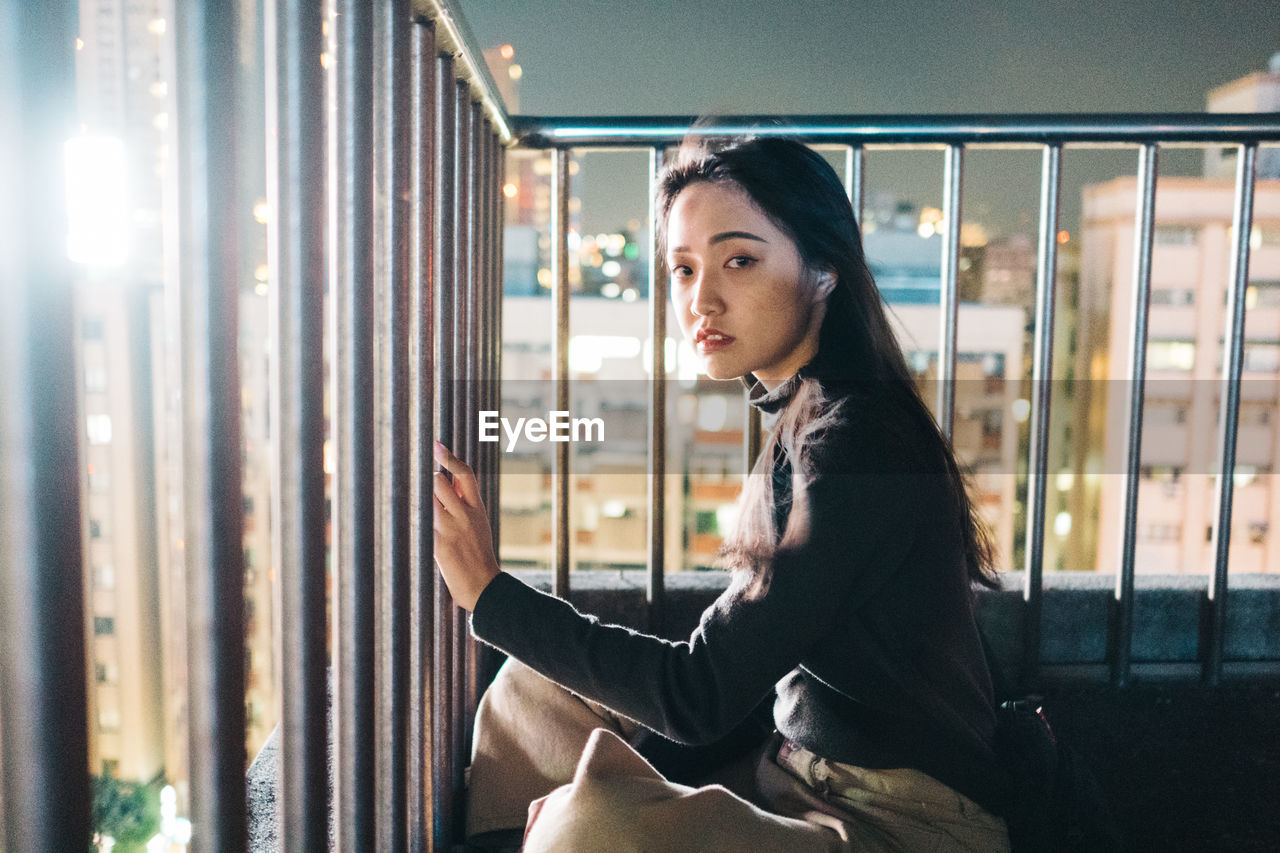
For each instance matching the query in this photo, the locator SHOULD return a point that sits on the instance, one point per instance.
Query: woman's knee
(518, 684)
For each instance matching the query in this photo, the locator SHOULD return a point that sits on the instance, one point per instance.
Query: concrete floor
(1187, 767)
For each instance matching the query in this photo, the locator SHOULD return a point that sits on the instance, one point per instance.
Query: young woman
(853, 563)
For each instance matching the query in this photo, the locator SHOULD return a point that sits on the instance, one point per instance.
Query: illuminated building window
(99, 481)
(1176, 235)
(98, 428)
(109, 719)
(1173, 296)
(104, 576)
(95, 377)
(1266, 294)
(1265, 236)
(110, 767)
(104, 626)
(1171, 355)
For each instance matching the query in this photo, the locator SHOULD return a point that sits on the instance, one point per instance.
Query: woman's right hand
(463, 540)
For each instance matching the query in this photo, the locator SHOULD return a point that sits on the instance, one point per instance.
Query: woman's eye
(741, 261)
(680, 271)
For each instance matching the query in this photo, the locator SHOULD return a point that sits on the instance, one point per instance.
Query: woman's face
(739, 287)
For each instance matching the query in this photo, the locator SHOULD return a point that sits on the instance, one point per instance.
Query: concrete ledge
(1166, 622)
(1186, 766)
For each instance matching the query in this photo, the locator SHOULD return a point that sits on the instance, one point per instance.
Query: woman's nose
(706, 297)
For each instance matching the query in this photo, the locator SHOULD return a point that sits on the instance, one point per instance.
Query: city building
(1187, 322)
(116, 240)
(706, 430)
(1184, 356)
(136, 616)
(1258, 92)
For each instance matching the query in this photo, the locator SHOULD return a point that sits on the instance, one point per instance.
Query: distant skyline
(874, 56)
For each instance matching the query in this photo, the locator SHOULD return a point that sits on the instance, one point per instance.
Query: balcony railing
(385, 180)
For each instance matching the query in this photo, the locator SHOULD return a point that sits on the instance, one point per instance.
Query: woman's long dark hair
(805, 198)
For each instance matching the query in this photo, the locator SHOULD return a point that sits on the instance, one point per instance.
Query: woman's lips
(713, 341)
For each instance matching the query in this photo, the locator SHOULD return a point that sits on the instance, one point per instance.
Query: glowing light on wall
(588, 352)
(1062, 523)
(97, 207)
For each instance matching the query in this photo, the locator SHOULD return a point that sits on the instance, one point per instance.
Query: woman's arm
(463, 540)
(696, 690)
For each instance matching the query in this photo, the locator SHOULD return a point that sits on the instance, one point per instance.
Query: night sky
(881, 56)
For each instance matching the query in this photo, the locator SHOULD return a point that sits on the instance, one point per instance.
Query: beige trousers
(561, 767)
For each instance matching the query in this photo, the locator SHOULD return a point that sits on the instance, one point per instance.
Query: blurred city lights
(1021, 410)
(713, 412)
(588, 352)
(1063, 236)
(97, 207)
(510, 190)
(157, 26)
(726, 516)
(515, 72)
(1062, 523)
(261, 212)
(506, 51)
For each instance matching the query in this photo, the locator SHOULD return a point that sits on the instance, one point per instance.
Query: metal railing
(1049, 133)
(384, 182)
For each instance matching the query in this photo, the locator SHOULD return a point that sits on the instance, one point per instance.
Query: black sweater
(866, 628)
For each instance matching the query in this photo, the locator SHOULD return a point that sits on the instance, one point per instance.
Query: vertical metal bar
(43, 703)
(948, 298)
(353, 425)
(1144, 229)
(656, 591)
(213, 543)
(476, 173)
(296, 194)
(495, 338)
(484, 473)
(1042, 384)
(1242, 222)
(444, 275)
(855, 162)
(754, 438)
(422, 572)
(560, 361)
(459, 383)
(392, 217)
(492, 305)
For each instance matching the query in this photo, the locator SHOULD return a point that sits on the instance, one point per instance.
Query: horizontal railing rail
(875, 129)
